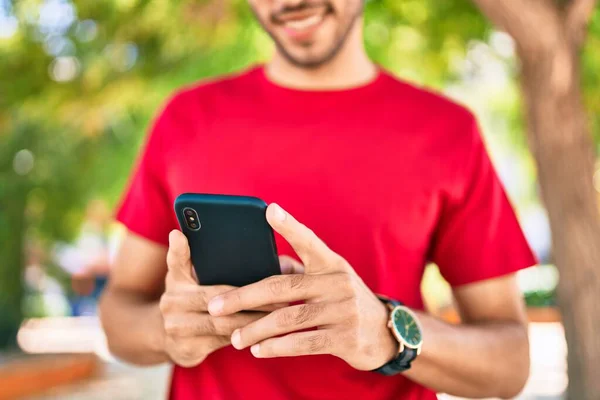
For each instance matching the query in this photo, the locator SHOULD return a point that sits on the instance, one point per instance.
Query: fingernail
(215, 306)
(171, 238)
(278, 213)
(287, 268)
(236, 339)
(255, 349)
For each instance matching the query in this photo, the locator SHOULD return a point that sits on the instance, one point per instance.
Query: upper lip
(303, 13)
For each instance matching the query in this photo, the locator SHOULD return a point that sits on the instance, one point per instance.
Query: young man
(377, 178)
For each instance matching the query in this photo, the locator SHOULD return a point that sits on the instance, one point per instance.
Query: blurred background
(79, 84)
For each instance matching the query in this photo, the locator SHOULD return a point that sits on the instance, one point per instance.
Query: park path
(122, 382)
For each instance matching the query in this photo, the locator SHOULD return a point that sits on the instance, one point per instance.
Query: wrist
(387, 345)
(157, 340)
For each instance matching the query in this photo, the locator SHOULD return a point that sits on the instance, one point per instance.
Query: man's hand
(191, 333)
(351, 320)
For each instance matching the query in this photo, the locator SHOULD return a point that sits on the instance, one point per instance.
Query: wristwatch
(406, 328)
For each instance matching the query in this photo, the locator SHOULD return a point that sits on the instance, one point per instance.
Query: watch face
(407, 327)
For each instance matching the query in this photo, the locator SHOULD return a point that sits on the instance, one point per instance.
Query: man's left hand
(351, 320)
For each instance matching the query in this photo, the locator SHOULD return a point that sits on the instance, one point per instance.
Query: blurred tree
(79, 82)
(550, 36)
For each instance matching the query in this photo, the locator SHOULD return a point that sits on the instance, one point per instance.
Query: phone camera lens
(191, 219)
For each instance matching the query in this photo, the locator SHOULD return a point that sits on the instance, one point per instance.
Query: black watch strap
(398, 364)
(402, 362)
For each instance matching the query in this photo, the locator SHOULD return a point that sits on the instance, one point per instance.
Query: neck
(351, 67)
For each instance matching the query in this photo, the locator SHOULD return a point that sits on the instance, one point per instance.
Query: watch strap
(399, 364)
(391, 303)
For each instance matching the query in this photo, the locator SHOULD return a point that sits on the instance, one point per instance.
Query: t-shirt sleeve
(478, 236)
(146, 208)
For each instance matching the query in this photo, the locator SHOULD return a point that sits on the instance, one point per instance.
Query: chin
(308, 61)
(308, 56)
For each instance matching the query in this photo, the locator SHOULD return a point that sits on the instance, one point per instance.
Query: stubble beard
(341, 38)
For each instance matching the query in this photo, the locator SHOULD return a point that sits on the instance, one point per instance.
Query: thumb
(314, 253)
(179, 259)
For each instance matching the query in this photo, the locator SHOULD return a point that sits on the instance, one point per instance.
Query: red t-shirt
(390, 176)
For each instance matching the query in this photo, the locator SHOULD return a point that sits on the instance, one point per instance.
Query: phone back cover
(235, 244)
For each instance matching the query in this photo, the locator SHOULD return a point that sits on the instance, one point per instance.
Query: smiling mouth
(305, 23)
(303, 19)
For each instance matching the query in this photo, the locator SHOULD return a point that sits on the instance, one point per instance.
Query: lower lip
(303, 34)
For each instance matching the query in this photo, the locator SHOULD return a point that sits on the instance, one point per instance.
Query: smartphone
(231, 242)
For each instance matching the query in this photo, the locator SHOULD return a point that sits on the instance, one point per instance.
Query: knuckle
(172, 328)
(198, 300)
(307, 313)
(209, 325)
(172, 259)
(284, 318)
(345, 282)
(276, 285)
(178, 256)
(186, 351)
(340, 263)
(166, 303)
(297, 281)
(181, 250)
(318, 342)
(355, 283)
(222, 326)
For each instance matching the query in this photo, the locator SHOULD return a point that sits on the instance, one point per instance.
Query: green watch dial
(407, 327)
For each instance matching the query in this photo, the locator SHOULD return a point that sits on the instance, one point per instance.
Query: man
(373, 178)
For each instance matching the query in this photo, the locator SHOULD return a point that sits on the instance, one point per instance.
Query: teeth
(304, 23)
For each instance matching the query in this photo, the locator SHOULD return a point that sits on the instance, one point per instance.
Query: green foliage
(541, 298)
(422, 39)
(591, 77)
(76, 99)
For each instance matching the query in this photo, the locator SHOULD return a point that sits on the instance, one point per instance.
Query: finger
(270, 307)
(296, 344)
(193, 298)
(290, 266)
(281, 289)
(287, 320)
(190, 352)
(218, 342)
(187, 325)
(226, 325)
(178, 259)
(315, 254)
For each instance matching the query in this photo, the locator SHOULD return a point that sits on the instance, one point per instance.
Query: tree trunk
(11, 263)
(560, 140)
(549, 36)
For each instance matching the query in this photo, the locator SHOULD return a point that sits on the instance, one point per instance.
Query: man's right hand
(191, 333)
